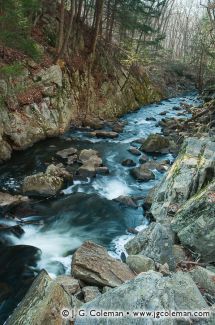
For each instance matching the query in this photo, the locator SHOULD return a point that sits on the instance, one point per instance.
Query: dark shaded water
(86, 210)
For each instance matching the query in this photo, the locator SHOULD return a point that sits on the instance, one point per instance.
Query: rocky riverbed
(121, 217)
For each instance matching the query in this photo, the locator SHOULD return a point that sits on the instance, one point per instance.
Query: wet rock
(90, 167)
(155, 143)
(141, 140)
(149, 199)
(8, 200)
(194, 223)
(192, 170)
(102, 170)
(90, 293)
(46, 184)
(127, 201)
(140, 263)
(8, 230)
(16, 260)
(152, 165)
(118, 127)
(92, 164)
(134, 151)
(151, 119)
(66, 153)
(142, 174)
(55, 267)
(104, 134)
(128, 163)
(69, 284)
(175, 292)
(72, 159)
(155, 242)
(94, 123)
(176, 108)
(163, 113)
(86, 154)
(143, 159)
(42, 304)
(204, 279)
(132, 231)
(92, 264)
(5, 150)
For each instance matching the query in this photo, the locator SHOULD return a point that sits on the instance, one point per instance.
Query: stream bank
(55, 227)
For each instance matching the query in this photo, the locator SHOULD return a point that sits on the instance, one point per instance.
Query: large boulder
(193, 169)
(155, 242)
(91, 163)
(92, 264)
(66, 153)
(42, 304)
(194, 223)
(155, 143)
(148, 292)
(86, 154)
(8, 200)
(46, 184)
(142, 174)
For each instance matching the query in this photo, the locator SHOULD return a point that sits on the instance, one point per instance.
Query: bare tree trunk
(66, 39)
(61, 27)
(98, 18)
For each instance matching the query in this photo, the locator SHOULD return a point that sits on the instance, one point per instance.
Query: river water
(87, 209)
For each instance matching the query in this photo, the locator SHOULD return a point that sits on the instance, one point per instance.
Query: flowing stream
(86, 210)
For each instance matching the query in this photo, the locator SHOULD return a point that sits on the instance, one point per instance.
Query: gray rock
(90, 293)
(134, 151)
(179, 253)
(155, 143)
(102, 170)
(66, 153)
(148, 291)
(91, 163)
(204, 279)
(128, 163)
(42, 304)
(127, 201)
(140, 263)
(68, 283)
(143, 159)
(193, 169)
(8, 200)
(53, 74)
(194, 223)
(92, 264)
(142, 174)
(155, 242)
(86, 154)
(104, 134)
(151, 119)
(149, 198)
(46, 184)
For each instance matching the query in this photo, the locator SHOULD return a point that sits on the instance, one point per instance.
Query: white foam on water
(111, 188)
(119, 243)
(69, 190)
(53, 244)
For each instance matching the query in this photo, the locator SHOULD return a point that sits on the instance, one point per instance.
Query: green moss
(11, 70)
